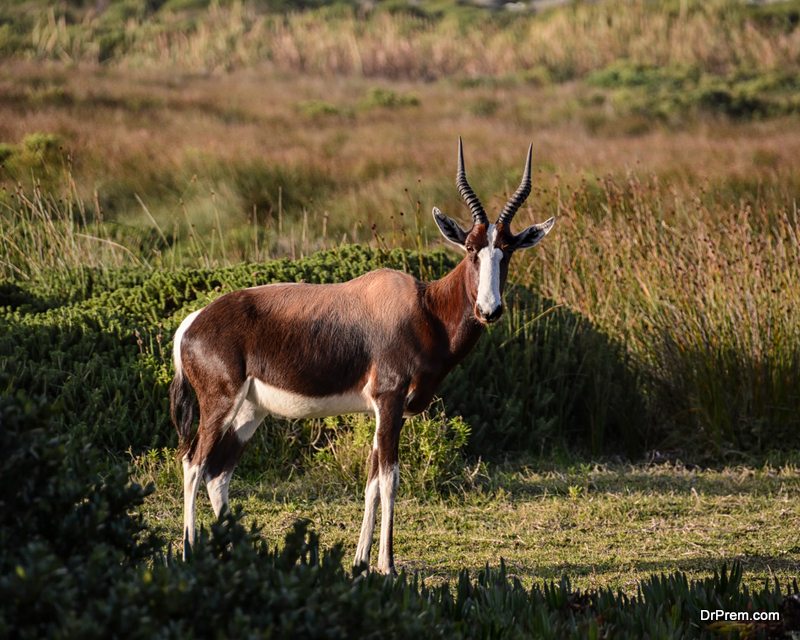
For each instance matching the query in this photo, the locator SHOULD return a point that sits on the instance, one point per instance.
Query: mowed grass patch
(603, 525)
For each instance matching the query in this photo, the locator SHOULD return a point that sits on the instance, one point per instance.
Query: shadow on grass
(756, 569)
(660, 480)
(694, 565)
(547, 379)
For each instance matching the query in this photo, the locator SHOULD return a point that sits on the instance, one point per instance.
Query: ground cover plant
(644, 384)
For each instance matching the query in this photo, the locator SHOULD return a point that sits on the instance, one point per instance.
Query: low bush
(669, 93)
(432, 450)
(380, 98)
(40, 154)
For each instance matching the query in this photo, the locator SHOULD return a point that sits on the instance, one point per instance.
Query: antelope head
(489, 246)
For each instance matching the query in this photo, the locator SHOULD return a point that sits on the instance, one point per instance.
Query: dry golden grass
(128, 126)
(719, 36)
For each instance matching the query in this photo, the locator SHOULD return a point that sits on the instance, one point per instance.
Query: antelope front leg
(387, 435)
(389, 478)
(371, 498)
(382, 480)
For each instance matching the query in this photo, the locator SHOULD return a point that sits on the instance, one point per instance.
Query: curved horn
(478, 214)
(522, 192)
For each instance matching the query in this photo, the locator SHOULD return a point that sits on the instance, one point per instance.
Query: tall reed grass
(43, 234)
(704, 298)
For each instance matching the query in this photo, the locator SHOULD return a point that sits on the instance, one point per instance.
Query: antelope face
(489, 247)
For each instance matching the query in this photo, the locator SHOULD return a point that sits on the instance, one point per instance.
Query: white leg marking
(389, 481)
(248, 416)
(371, 497)
(234, 417)
(244, 424)
(191, 482)
(218, 491)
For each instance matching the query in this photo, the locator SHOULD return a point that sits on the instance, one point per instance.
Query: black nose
(493, 316)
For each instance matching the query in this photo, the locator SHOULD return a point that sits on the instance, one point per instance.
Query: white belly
(294, 405)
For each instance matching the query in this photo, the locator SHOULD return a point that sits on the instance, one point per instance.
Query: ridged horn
(522, 192)
(475, 206)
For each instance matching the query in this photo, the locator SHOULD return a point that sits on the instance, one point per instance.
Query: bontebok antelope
(378, 344)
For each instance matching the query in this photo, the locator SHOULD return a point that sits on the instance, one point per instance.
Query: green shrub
(381, 98)
(39, 154)
(432, 454)
(669, 93)
(318, 108)
(41, 144)
(68, 533)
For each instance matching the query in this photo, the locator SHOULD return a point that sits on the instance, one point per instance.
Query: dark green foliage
(67, 535)
(75, 561)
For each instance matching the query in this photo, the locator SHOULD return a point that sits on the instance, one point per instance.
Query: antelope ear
(533, 234)
(449, 228)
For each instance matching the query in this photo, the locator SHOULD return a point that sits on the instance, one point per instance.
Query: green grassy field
(603, 525)
(156, 154)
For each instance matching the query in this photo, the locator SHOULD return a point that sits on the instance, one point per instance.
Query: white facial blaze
(489, 275)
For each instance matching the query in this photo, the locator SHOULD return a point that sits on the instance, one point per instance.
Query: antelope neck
(451, 300)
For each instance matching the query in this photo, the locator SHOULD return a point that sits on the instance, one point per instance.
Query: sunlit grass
(603, 525)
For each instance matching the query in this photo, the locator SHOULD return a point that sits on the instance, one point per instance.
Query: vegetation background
(646, 377)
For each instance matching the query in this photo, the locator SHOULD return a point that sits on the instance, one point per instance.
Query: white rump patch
(294, 405)
(489, 275)
(176, 342)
